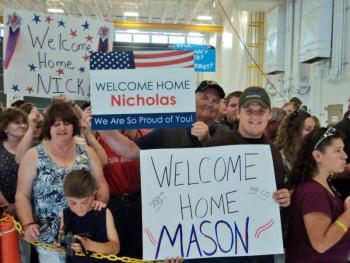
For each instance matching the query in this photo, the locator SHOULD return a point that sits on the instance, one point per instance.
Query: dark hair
(236, 94)
(27, 107)
(10, 115)
(85, 105)
(59, 111)
(79, 184)
(17, 103)
(288, 136)
(346, 114)
(296, 100)
(305, 164)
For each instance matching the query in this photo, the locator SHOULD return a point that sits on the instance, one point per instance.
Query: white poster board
(209, 202)
(46, 54)
(127, 92)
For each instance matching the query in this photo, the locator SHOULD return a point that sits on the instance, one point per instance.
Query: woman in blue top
(39, 197)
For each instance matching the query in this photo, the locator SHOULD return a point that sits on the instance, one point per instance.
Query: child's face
(80, 206)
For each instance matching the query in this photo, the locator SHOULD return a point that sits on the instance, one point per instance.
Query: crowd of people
(57, 176)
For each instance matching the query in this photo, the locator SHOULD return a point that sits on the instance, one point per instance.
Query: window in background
(141, 38)
(123, 37)
(177, 40)
(163, 39)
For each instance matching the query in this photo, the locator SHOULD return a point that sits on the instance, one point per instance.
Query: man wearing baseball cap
(208, 96)
(254, 114)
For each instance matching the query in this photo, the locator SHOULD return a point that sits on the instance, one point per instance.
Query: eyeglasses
(329, 132)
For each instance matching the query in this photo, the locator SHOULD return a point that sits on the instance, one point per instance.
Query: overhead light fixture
(55, 10)
(204, 18)
(131, 13)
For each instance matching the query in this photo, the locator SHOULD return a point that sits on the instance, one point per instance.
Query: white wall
(232, 69)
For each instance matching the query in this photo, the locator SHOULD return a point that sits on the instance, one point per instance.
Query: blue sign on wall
(204, 56)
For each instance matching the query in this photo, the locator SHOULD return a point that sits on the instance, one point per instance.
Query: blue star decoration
(15, 87)
(36, 19)
(82, 70)
(61, 23)
(31, 67)
(85, 25)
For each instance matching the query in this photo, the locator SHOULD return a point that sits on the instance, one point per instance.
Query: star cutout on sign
(29, 89)
(15, 87)
(36, 19)
(48, 19)
(89, 38)
(86, 57)
(82, 70)
(31, 67)
(73, 33)
(85, 25)
(61, 23)
(60, 71)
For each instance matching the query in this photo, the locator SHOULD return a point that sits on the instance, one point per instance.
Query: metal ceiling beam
(183, 27)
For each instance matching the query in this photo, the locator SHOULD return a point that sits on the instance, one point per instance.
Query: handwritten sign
(209, 202)
(142, 89)
(204, 56)
(46, 55)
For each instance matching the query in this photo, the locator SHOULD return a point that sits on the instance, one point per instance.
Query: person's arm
(97, 172)
(90, 137)
(26, 175)
(121, 144)
(322, 232)
(27, 140)
(112, 246)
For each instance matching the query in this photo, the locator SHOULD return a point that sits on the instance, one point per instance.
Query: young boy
(94, 230)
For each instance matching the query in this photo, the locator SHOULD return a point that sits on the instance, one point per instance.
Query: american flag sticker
(142, 89)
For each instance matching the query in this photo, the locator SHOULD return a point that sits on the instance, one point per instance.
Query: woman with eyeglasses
(319, 220)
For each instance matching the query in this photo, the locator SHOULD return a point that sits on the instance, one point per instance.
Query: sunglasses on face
(329, 132)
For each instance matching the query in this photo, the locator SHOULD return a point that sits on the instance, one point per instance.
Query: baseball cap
(210, 84)
(257, 94)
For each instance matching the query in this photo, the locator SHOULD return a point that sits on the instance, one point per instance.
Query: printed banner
(142, 89)
(46, 54)
(209, 202)
(204, 56)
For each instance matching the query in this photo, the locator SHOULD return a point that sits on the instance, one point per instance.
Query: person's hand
(174, 260)
(33, 117)
(84, 241)
(31, 232)
(347, 203)
(200, 130)
(86, 118)
(282, 197)
(98, 205)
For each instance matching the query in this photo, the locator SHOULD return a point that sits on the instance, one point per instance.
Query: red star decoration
(48, 19)
(73, 33)
(60, 72)
(86, 57)
(29, 89)
(89, 38)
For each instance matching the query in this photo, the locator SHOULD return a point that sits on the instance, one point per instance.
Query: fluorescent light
(55, 10)
(204, 18)
(134, 14)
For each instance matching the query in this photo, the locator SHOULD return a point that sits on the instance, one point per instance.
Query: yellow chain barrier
(47, 246)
